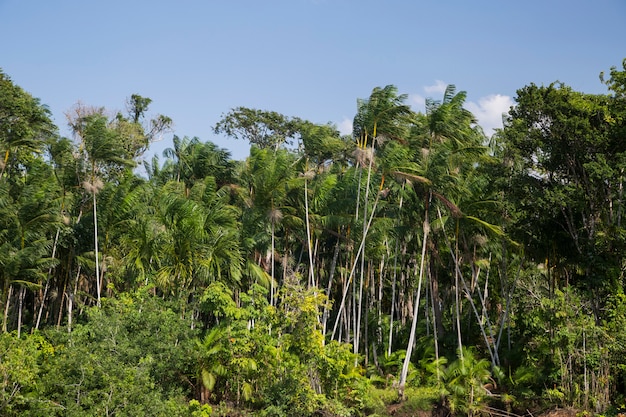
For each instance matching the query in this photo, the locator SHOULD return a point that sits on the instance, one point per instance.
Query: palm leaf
(411, 177)
(495, 229)
(208, 380)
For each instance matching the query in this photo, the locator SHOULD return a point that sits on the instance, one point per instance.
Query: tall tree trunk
(505, 317)
(359, 311)
(457, 301)
(272, 266)
(393, 301)
(409, 348)
(308, 232)
(379, 311)
(333, 266)
(359, 252)
(459, 280)
(95, 243)
(70, 301)
(20, 305)
(7, 305)
(395, 275)
(435, 326)
(45, 291)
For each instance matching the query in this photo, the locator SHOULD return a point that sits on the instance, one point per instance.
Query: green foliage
(466, 381)
(265, 129)
(338, 370)
(24, 125)
(217, 282)
(199, 410)
(420, 398)
(21, 362)
(133, 357)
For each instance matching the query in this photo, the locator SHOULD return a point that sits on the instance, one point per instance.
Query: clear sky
(197, 59)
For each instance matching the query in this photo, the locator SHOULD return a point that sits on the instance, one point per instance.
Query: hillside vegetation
(414, 267)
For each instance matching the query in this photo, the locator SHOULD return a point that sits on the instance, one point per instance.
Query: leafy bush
(133, 357)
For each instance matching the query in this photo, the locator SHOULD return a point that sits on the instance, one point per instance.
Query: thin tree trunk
(95, 240)
(379, 309)
(459, 280)
(362, 272)
(70, 301)
(333, 266)
(20, 304)
(395, 275)
(272, 268)
(341, 315)
(486, 291)
(457, 307)
(435, 330)
(61, 305)
(359, 251)
(378, 341)
(393, 301)
(354, 315)
(620, 199)
(45, 291)
(359, 311)
(506, 314)
(409, 348)
(437, 301)
(308, 232)
(366, 306)
(7, 305)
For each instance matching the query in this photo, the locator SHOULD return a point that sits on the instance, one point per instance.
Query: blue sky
(308, 58)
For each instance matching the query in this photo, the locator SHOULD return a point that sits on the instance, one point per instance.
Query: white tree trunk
(409, 348)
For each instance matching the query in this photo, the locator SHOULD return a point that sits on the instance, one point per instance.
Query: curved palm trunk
(409, 348)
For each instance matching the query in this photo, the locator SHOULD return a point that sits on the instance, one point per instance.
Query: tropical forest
(416, 267)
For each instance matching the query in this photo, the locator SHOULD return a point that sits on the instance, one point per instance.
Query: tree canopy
(416, 264)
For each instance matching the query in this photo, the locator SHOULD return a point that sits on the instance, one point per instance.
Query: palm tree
(381, 117)
(268, 178)
(183, 220)
(197, 237)
(213, 356)
(105, 157)
(466, 382)
(29, 218)
(121, 204)
(451, 144)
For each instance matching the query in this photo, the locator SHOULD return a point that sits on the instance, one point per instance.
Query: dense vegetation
(415, 264)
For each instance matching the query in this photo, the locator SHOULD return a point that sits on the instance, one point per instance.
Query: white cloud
(438, 88)
(489, 111)
(345, 126)
(417, 102)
